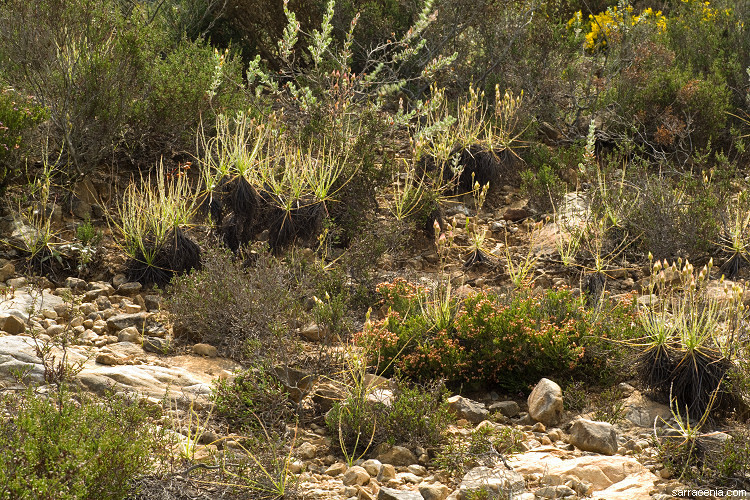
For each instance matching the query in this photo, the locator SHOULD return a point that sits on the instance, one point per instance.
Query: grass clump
(74, 446)
(400, 413)
(151, 219)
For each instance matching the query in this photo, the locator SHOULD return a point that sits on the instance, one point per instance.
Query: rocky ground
(121, 344)
(121, 341)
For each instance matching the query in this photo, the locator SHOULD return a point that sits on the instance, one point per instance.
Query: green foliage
(610, 406)
(19, 114)
(415, 416)
(484, 447)
(576, 397)
(675, 109)
(73, 446)
(491, 342)
(254, 399)
(187, 87)
(673, 216)
(543, 180)
(110, 78)
(87, 234)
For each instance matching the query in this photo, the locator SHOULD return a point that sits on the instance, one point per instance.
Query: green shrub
(74, 448)
(712, 38)
(18, 115)
(610, 406)
(673, 217)
(674, 108)
(253, 400)
(490, 342)
(184, 89)
(417, 415)
(543, 180)
(82, 60)
(111, 78)
(484, 447)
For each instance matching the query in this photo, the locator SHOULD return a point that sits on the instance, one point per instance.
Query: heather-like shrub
(550, 173)
(247, 311)
(673, 217)
(665, 80)
(486, 341)
(111, 78)
(253, 400)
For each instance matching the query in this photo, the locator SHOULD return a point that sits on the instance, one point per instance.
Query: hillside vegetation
(464, 197)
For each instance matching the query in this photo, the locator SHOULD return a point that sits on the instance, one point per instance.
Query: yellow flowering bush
(708, 13)
(612, 23)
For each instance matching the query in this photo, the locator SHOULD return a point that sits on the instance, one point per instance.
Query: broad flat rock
(393, 494)
(613, 477)
(18, 356)
(176, 376)
(24, 301)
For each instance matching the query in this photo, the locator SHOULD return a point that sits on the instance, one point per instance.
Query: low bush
(74, 446)
(486, 341)
(550, 174)
(246, 311)
(253, 400)
(112, 80)
(416, 415)
(706, 460)
(486, 446)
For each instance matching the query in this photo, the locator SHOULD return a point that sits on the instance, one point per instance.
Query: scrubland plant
(690, 346)
(39, 238)
(476, 233)
(407, 195)
(265, 468)
(507, 126)
(485, 446)
(735, 237)
(438, 139)
(521, 271)
(329, 84)
(246, 311)
(572, 231)
(470, 146)
(257, 465)
(106, 74)
(684, 446)
(19, 115)
(151, 217)
(492, 342)
(397, 412)
(76, 446)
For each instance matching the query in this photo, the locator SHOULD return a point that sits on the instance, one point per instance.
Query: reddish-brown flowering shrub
(491, 342)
